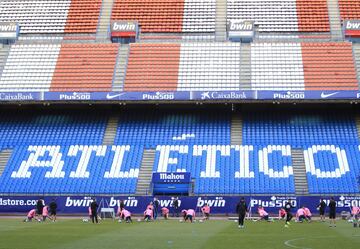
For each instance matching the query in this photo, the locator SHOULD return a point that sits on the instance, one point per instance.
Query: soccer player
(300, 214)
(93, 207)
(332, 212)
(45, 213)
(282, 213)
(308, 214)
(148, 214)
(288, 207)
(30, 215)
(127, 215)
(263, 214)
(156, 204)
(184, 213)
(190, 215)
(206, 211)
(241, 209)
(321, 207)
(165, 212)
(53, 207)
(39, 207)
(355, 212)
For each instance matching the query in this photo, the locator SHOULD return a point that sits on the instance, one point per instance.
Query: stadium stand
(193, 142)
(29, 68)
(51, 129)
(282, 15)
(349, 9)
(44, 16)
(151, 129)
(216, 66)
(78, 70)
(168, 16)
(65, 67)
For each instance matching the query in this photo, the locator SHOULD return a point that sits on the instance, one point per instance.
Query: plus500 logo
(158, 96)
(289, 95)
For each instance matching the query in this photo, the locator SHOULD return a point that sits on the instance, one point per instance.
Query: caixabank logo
(223, 95)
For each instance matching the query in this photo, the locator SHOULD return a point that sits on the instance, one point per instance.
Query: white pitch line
(288, 243)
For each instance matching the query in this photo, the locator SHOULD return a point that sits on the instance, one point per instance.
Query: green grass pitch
(214, 234)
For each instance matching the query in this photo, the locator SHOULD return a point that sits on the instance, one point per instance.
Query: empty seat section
(299, 129)
(199, 16)
(313, 16)
(222, 173)
(153, 15)
(281, 15)
(329, 66)
(85, 67)
(51, 128)
(332, 169)
(152, 67)
(36, 16)
(63, 170)
(29, 68)
(154, 128)
(209, 66)
(276, 66)
(47, 16)
(349, 9)
(83, 16)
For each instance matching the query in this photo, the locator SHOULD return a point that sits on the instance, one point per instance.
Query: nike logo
(324, 96)
(109, 96)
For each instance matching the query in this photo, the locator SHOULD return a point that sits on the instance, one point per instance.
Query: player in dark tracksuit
(288, 207)
(94, 206)
(332, 212)
(241, 209)
(322, 207)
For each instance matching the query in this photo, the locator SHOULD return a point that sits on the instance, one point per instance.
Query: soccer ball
(201, 221)
(120, 221)
(138, 220)
(85, 220)
(180, 220)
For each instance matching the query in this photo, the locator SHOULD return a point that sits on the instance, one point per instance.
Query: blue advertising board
(178, 177)
(137, 204)
(179, 96)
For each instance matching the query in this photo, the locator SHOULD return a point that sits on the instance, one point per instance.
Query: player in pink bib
(282, 213)
(190, 215)
(127, 215)
(307, 213)
(300, 215)
(165, 212)
(31, 214)
(45, 213)
(148, 214)
(206, 211)
(263, 215)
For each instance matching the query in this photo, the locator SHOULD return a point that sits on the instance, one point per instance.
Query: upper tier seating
(305, 66)
(47, 16)
(66, 67)
(349, 9)
(29, 68)
(85, 67)
(282, 15)
(164, 16)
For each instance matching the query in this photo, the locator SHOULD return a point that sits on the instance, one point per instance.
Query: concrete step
(121, 65)
(300, 179)
(145, 173)
(104, 22)
(236, 129)
(335, 20)
(4, 158)
(110, 131)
